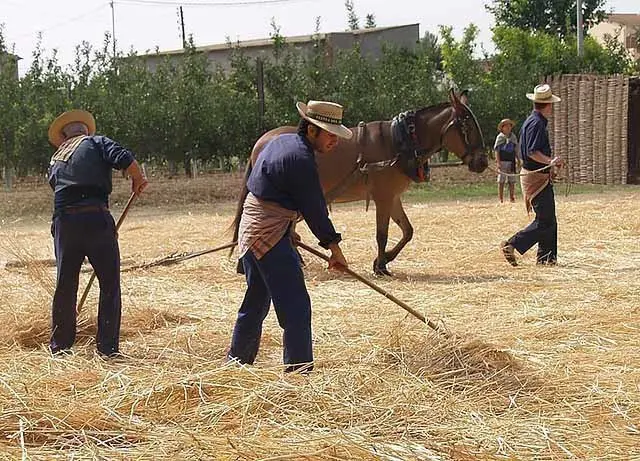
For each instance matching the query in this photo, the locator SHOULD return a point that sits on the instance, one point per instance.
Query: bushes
(185, 110)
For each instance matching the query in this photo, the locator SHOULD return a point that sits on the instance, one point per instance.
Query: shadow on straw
(32, 331)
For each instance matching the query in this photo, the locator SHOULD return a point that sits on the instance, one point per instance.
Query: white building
(626, 27)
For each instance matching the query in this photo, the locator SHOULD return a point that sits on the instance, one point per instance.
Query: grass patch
(435, 191)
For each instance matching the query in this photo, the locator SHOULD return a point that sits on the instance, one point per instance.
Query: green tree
(556, 17)
(524, 58)
(430, 48)
(10, 95)
(352, 18)
(459, 62)
(44, 94)
(370, 21)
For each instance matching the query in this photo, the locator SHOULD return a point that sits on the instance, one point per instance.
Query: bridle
(462, 122)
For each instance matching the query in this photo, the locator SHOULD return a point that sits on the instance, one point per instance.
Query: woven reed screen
(589, 127)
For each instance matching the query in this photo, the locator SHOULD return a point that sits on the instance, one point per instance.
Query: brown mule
(379, 162)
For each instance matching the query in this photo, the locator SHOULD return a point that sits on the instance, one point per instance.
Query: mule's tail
(235, 225)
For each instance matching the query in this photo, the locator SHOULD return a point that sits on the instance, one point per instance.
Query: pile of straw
(542, 362)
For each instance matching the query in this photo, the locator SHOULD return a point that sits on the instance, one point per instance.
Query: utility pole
(184, 38)
(580, 29)
(113, 28)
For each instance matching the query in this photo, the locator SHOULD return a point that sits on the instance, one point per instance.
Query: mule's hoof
(380, 269)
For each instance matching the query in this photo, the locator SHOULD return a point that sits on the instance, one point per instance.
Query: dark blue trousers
(277, 277)
(91, 234)
(543, 230)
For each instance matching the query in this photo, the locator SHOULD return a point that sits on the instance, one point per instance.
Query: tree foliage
(555, 17)
(181, 109)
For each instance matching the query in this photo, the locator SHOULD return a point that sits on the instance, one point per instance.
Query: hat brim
(73, 116)
(551, 100)
(339, 130)
(506, 122)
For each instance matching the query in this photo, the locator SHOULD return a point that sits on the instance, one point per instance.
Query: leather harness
(409, 155)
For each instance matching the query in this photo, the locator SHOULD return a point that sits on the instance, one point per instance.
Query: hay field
(544, 365)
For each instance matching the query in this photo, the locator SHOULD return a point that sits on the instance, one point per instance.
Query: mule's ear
(455, 102)
(453, 98)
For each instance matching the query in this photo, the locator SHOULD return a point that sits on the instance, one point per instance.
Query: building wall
(371, 44)
(622, 31)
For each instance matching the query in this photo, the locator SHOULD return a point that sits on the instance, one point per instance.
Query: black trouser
(276, 277)
(543, 230)
(90, 234)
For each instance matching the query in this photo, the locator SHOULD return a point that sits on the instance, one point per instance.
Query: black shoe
(61, 352)
(547, 262)
(111, 355)
(302, 368)
(508, 253)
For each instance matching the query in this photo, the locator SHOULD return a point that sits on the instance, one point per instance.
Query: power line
(206, 4)
(64, 23)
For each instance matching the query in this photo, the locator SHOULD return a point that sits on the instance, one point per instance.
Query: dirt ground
(544, 363)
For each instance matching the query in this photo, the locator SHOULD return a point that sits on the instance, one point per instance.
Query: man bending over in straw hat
(80, 175)
(507, 155)
(284, 184)
(537, 187)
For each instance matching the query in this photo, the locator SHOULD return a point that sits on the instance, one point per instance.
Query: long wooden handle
(206, 252)
(372, 285)
(93, 273)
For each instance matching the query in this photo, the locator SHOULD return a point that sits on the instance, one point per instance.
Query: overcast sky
(147, 24)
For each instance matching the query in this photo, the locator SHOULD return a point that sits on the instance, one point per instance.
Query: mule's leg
(383, 214)
(400, 218)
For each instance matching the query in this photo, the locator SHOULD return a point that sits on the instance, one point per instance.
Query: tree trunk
(187, 166)
(7, 174)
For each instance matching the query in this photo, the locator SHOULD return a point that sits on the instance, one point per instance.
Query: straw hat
(77, 115)
(542, 94)
(504, 122)
(326, 115)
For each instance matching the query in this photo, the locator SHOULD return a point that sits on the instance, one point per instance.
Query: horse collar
(406, 145)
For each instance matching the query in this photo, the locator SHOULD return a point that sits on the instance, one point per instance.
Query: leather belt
(84, 209)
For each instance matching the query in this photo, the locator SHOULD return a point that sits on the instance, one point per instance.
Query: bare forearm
(540, 158)
(138, 181)
(134, 171)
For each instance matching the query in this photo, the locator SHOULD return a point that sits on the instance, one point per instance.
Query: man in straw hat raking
(283, 185)
(80, 175)
(507, 155)
(536, 180)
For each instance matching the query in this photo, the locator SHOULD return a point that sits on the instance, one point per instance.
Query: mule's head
(462, 136)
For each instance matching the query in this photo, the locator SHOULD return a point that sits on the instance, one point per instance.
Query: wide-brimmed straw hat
(326, 115)
(542, 94)
(505, 121)
(72, 116)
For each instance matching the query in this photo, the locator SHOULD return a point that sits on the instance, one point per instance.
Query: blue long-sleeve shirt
(85, 178)
(534, 137)
(286, 173)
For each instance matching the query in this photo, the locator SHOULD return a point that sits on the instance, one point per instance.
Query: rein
(515, 175)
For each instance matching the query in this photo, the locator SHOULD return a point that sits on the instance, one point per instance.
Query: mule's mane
(435, 108)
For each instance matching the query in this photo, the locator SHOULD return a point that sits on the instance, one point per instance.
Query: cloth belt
(262, 225)
(532, 184)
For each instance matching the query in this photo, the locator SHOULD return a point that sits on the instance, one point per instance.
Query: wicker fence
(589, 127)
